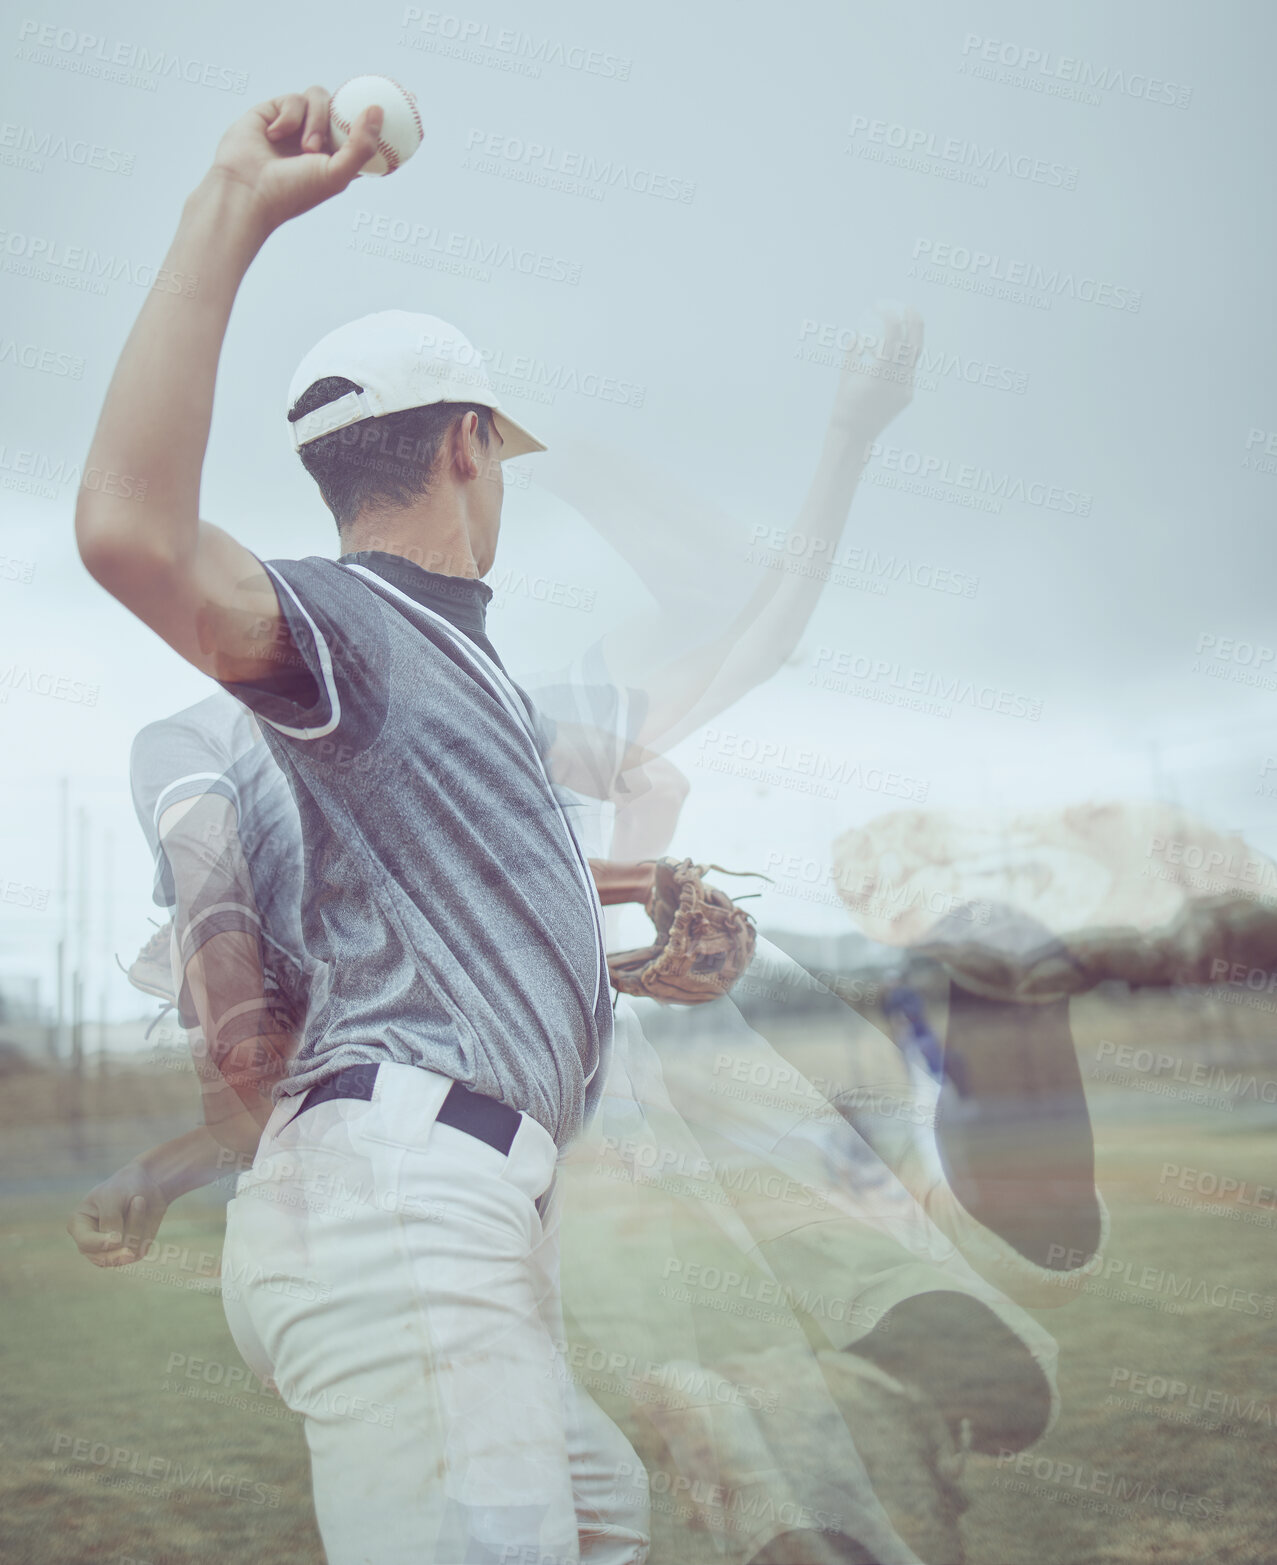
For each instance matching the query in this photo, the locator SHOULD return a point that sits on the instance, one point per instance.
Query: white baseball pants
(396, 1279)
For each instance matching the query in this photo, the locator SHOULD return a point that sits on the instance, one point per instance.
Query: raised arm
(695, 654)
(138, 526)
(692, 689)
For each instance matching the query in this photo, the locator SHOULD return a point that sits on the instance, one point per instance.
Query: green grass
(87, 1356)
(1223, 1350)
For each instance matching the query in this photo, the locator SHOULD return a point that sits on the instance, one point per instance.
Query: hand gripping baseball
(282, 152)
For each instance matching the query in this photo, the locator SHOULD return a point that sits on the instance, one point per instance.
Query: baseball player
(461, 1018)
(225, 839)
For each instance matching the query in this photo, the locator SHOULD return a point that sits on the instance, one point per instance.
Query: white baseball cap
(402, 361)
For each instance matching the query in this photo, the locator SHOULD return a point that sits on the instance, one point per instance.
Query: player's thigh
(416, 1349)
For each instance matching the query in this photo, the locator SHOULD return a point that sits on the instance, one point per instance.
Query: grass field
(123, 1441)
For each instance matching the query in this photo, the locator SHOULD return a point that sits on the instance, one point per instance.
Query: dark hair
(384, 463)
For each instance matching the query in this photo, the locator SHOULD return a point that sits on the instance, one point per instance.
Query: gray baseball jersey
(447, 902)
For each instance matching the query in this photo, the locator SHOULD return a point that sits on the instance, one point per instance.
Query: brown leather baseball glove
(704, 941)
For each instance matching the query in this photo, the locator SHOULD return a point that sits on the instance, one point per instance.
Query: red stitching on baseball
(386, 150)
(412, 104)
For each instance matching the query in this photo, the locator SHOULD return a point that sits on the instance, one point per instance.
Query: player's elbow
(103, 544)
(116, 552)
(659, 781)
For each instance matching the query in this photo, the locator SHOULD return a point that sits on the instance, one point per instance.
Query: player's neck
(438, 538)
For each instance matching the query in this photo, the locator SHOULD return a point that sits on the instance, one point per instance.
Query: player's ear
(471, 449)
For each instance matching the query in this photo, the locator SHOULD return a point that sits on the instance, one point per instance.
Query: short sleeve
(335, 624)
(184, 757)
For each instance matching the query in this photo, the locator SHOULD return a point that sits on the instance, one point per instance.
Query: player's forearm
(245, 1047)
(237, 1092)
(140, 501)
(618, 883)
(185, 1163)
(693, 689)
(779, 611)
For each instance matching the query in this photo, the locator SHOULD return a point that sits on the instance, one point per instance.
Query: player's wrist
(145, 1173)
(237, 210)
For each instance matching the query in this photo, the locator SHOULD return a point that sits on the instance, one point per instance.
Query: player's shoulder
(323, 594)
(217, 726)
(309, 568)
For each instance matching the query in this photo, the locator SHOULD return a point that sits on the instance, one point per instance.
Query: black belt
(479, 1116)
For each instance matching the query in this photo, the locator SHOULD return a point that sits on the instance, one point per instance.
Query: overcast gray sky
(819, 159)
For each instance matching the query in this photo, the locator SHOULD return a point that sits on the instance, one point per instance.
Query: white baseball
(401, 131)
